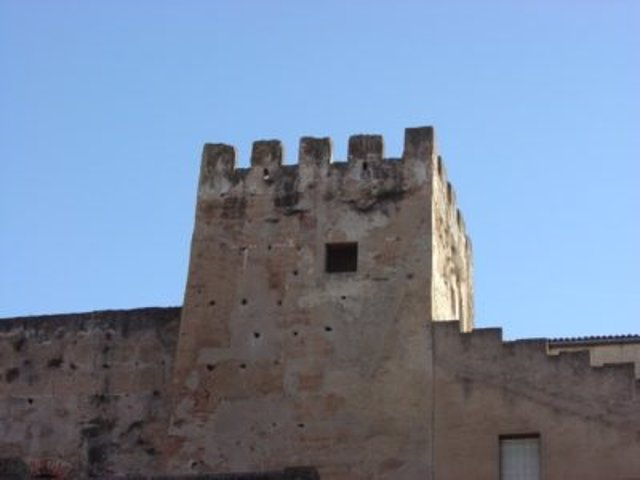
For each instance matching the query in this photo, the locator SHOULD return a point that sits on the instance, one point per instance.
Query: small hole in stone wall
(409, 276)
(156, 393)
(105, 365)
(343, 297)
(19, 343)
(72, 366)
(328, 329)
(212, 303)
(244, 301)
(439, 165)
(265, 173)
(256, 334)
(301, 425)
(365, 166)
(243, 366)
(30, 400)
(210, 367)
(279, 303)
(268, 247)
(274, 424)
(295, 272)
(108, 336)
(295, 333)
(276, 362)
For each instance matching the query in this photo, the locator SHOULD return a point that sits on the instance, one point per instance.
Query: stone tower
(303, 338)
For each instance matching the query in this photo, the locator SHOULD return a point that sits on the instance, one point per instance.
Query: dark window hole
(211, 367)
(244, 301)
(341, 257)
(105, 365)
(30, 400)
(295, 333)
(295, 272)
(279, 303)
(301, 425)
(343, 297)
(243, 366)
(365, 166)
(212, 303)
(328, 329)
(256, 334)
(265, 172)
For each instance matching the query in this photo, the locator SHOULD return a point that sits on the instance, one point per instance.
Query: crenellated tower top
(365, 156)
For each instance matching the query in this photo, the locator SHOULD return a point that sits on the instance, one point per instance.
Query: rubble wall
(86, 394)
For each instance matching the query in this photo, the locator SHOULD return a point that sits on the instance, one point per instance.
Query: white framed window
(520, 457)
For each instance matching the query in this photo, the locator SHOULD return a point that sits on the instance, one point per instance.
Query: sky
(105, 106)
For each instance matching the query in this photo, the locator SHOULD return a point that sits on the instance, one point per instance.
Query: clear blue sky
(104, 107)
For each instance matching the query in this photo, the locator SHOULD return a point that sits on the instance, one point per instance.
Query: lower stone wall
(587, 419)
(85, 395)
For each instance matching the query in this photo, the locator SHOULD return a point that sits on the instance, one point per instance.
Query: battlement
(525, 365)
(365, 161)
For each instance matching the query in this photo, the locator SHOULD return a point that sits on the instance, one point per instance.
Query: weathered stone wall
(606, 351)
(86, 394)
(452, 285)
(588, 418)
(280, 362)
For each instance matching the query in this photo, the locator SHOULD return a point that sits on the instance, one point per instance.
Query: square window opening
(341, 257)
